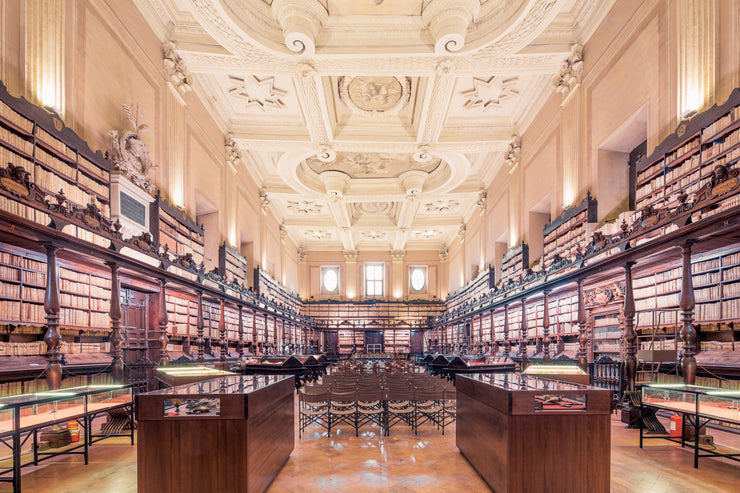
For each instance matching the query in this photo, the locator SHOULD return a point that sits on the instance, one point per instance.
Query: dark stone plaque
(133, 209)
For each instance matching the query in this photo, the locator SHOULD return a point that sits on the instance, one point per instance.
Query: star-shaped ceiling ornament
(490, 93)
(260, 93)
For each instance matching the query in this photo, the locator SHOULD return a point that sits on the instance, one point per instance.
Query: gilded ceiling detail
(373, 164)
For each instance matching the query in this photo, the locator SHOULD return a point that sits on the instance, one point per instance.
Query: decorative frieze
(571, 71)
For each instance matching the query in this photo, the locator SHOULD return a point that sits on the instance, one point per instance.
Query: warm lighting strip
(696, 28)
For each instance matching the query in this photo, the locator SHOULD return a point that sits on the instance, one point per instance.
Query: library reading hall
(309, 246)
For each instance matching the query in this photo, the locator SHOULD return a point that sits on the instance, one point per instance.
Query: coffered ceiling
(373, 124)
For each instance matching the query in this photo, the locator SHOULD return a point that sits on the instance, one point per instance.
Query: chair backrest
(343, 397)
(314, 398)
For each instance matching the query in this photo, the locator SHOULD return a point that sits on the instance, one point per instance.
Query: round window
(330, 280)
(418, 279)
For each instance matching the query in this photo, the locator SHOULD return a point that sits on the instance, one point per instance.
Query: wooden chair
(313, 407)
(428, 407)
(343, 409)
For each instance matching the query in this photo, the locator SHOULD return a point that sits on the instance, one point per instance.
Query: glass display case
(48, 413)
(698, 406)
(508, 421)
(179, 375)
(238, 431)
(566, 372)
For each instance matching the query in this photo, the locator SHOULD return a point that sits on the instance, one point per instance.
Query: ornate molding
(301, 21)
(302, 253)
(511, 156)
(129, 154)
(441, 206)
(443, 253)
(461, 233)
(256, 92)
(398, 255)
(571, 71)
(305, 207)
(448, 22)
(264, 200)
(373, 235)
(176, 70)
(233, 152)
(375, 96)
(481, 202)
(490, 93)
(350, 255)
(283, 234)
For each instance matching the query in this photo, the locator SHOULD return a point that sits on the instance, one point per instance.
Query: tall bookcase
(232, 265)
(174, 229)
(515, 262)
(566, 235)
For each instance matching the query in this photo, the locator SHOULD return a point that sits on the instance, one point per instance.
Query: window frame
(377, 282)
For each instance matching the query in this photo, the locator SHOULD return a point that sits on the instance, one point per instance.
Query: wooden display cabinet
(226, 434)
(531, 434)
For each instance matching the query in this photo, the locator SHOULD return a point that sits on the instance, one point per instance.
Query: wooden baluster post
(199, 326)
(582, 336)
(116, 339)
(240, 343)
(53, 337)
(164, 359)
(546, 327)
(688, 333)
(507, 342)
(222, 330)
(630, 336)
(523, 336)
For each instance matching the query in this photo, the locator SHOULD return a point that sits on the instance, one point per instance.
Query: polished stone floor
(399, 463)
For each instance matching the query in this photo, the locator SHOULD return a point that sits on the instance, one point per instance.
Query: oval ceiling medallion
(375, 96)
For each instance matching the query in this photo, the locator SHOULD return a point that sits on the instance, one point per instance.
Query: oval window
(330, 280)
(418, 279)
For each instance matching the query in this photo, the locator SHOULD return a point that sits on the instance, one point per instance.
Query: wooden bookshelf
(681, 166)
(566, 235)
(515, 262)
(173, 229)
(232, 265)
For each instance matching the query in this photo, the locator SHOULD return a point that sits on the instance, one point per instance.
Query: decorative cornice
(481, 202)
(398, 255)
(233, 152)
(443, 253)
(283, 234)
(350, 255)
(302, 253)
(448, 21)
(461, 233)
(301, 21)
(176, 70)
(571, 71)
(264, 200)
(511, 156)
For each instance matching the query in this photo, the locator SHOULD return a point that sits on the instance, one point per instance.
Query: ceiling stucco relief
(305, 207)
(373, 165)
(375, 96)
(427, 234)
(441, 206)
(359, 116)
(490, 93)
(318, 234)
(257, 92)
(374, 235)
